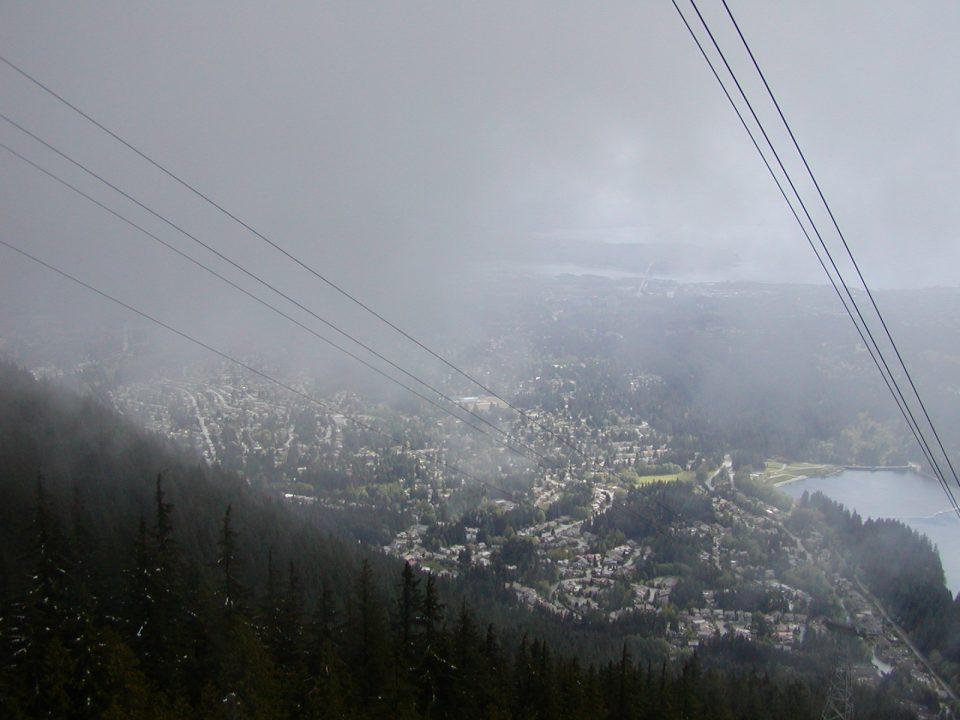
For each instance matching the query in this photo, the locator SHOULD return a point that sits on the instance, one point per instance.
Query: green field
(778, 471)
(629, 476)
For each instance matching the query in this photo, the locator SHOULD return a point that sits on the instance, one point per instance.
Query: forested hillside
(901, 568)
(135, 586)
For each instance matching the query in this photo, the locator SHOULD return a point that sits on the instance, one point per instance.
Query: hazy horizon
(398, 148)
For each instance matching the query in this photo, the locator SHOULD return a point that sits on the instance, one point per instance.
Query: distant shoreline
(861, 468)
(880, 468)
(798, 478)
(816, 471)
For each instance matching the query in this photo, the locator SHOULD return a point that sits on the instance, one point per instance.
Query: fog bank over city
(401, 149)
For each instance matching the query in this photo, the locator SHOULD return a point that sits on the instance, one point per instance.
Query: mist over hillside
(504, 360)
(183, 589)
(769, 369)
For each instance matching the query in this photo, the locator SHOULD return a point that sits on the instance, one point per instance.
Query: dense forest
(901, 568)
(771, 370)
(137, 586)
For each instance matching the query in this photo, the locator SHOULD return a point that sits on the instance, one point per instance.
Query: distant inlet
(911, 467)
(857, 468)
(904, 493)
(880, 468)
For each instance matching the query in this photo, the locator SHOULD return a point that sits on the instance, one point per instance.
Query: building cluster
(785, 630)
(230, 421)
(243, 426)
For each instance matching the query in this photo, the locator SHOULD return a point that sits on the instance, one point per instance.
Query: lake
(917, 500)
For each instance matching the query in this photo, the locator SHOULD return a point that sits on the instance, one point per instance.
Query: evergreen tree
(157, 618)
(367, 630)
(466, 659)
(323, 633)
(230, 592)
(291, 650)
(85, 543)
(330, 689)
(432, 611)
(409, 606)
(139, 602)
(58, 648)
(409, 610)
(45, 618)
(68, 655)
(433, 668)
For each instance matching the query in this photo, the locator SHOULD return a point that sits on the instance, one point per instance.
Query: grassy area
(629, 476)
(778, 471)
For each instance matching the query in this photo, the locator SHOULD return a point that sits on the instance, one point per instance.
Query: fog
(558, 199)
(406, 150)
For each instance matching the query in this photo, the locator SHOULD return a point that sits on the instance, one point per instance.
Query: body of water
(917, 500)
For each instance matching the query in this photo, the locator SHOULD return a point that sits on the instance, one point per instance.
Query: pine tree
(268, 616)
(163, 532)
(85, 544)
(496, 688)
(409, 606)
(52, 635)
(466, 660)
(157, 618)
(690, 687)
(409, 610)
(230, 592)
(323, 632)
(138, 604)
(45, 617)
(523, 691)
(328, 696)
(432, 611)
(126, 690)
(290, 641)
(433, 667)
(572, 697)
(625, 699)
(547, 691)
(367, 630)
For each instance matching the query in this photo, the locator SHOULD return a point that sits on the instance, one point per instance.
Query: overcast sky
(392, 143)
